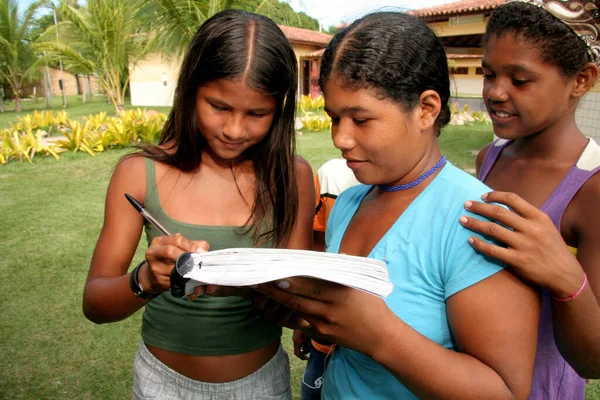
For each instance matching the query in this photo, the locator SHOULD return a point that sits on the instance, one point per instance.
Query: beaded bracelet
(571, 297)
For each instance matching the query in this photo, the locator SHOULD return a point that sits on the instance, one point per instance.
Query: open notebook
(251, 266)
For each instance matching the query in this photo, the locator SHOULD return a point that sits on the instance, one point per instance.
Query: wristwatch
(135, 286)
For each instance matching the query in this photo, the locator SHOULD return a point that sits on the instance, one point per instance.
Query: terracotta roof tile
(315, 54)
(305, 36)
(458, 7)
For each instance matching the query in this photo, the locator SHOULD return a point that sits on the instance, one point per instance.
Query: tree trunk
(89, 87)
(48, 89)
(1, 99)
(83, 89)
(17, 93)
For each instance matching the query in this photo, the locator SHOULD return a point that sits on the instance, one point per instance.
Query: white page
(251, 266)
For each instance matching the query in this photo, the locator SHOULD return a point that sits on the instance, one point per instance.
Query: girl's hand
(161, 257)
(535, 249)
(335, 313)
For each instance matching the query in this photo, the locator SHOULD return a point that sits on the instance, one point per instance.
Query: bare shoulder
(584, 209)
(300, 163)
(306, 186)
(582, 216)
(129, 176)
(587, 198)
(303, 169)
(131, 165)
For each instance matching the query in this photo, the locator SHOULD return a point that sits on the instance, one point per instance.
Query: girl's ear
(585, 79)
(430, 105)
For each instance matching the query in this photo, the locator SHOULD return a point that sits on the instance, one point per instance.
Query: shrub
(464, 117)
(94, 135)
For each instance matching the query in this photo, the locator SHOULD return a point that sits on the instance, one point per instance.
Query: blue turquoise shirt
(429, 260)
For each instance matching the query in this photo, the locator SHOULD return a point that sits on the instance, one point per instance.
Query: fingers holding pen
(182, 243)
(161, 257)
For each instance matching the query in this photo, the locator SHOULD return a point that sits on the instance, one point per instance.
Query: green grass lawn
(75, 107)
(51, 213)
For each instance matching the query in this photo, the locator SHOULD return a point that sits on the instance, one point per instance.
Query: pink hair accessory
(571, 297)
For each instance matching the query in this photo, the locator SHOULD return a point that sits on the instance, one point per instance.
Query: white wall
(152, 93)
(588, 115)
(466, 85)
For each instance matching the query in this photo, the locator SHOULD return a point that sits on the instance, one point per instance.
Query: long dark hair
(220, 50)
(394, 53)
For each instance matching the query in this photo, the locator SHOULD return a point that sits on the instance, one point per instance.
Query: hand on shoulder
(534, 248)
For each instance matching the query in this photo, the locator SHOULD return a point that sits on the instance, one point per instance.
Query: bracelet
(135, 286)
(571, 297)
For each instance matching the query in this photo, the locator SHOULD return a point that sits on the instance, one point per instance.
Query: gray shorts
(154, 380)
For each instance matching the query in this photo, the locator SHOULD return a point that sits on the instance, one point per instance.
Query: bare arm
(107, 296)
(494, 323)
(577, 322)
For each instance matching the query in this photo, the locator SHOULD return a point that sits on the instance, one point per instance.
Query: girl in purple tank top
(540, 58)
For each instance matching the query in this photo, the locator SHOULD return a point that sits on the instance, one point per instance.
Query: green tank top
(209, 325)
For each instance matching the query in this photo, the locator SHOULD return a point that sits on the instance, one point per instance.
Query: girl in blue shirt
(457, 325)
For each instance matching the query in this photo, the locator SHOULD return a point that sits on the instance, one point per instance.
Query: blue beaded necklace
(416, 181)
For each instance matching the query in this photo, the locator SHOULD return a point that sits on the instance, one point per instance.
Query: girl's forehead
(235, 92)
(235, 85)
(343, 99)
(510, 39)
(337, 84)
(510, 46)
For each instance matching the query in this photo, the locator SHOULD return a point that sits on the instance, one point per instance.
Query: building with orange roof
(309, 47)
(461, 25)
(153, 80)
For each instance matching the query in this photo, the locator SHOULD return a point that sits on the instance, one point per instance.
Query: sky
(332, 12)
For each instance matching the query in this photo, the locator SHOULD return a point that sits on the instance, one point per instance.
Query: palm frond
(28, 17)
(60, 51)
(81, 21)
(175, 22)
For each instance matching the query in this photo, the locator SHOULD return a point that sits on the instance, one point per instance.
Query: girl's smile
(522, 93)
(501, 117)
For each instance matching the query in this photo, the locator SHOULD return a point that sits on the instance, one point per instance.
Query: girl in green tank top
(224, 174)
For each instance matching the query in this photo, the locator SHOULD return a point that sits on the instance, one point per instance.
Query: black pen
(140, 208)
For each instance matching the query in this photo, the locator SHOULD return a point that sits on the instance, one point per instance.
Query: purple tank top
(553, 377)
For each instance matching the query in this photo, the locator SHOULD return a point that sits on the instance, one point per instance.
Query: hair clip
(582, 17)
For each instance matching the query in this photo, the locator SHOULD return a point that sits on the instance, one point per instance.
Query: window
(459, 71)
(479, 71)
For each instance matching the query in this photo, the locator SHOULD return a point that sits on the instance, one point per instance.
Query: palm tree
(176, 21)
(16, 55)
(102, 39)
